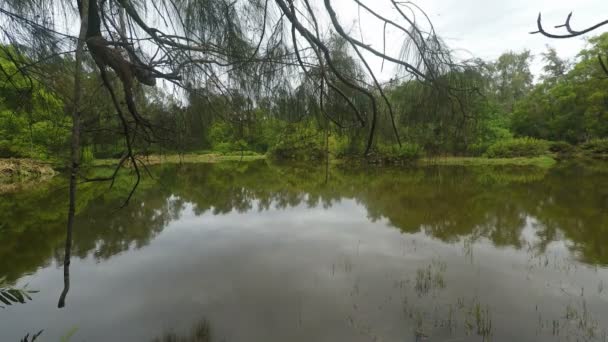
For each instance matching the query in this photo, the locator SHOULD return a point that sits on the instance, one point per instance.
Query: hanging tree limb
(570, 33)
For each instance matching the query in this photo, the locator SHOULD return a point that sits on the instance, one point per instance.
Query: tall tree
(511, 78)
(555, 68)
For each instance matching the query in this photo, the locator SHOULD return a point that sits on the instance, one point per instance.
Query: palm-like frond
(10, 296)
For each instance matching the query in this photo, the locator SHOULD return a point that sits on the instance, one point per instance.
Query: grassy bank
(185, 158)
(24, 169)
(18, 171)
(543, 161)
(17, 174)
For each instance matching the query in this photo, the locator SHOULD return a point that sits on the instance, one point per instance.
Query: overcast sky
(484, 28)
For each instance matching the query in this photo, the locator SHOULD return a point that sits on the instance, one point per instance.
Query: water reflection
(519, 227)
(448, 203)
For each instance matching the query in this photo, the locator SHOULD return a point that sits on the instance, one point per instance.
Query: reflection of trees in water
(33, 229)
(107, 233)
(575, 203)
(448, 203)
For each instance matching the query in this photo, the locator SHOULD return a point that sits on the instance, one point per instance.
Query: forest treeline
(488, 108)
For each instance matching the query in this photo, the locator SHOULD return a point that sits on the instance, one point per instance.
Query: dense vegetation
(507, 114)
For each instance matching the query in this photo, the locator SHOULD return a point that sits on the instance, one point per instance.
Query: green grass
(185, 158)
(543, 161)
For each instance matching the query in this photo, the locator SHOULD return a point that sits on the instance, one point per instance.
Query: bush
(477, 149)
(302, 141)
(87, 156)
(398, 154)
(223, 147)
(231, 148)
(345, 147)
(561, 147)
(596, 148)
(284, 151)
(8, 151)
(408, 152)
(520, 147)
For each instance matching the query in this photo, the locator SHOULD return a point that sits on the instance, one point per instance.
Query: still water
(261, 252)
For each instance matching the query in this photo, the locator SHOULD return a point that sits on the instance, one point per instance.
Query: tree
(32, 123)
(511, 78)
(591, 120)
(571, 107)
(555, 68)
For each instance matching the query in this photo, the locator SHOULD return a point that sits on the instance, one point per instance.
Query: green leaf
(18, 295)
(3, 300)
(9, 296)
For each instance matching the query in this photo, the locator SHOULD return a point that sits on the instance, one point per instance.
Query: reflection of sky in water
(310, 274)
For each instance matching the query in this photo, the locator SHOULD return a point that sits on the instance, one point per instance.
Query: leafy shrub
(220, 132)
(9, 151)
(223, 147)
(345, 147)
(561, 147)
(519, 147)
(87, 156)
(597, 148)
(301, 141)
(304, 151)
(407, 152)
(477, 149)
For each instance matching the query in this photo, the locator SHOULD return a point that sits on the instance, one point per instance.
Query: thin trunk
(327, 152)
(31, 138)
(75, 149)
(122, 21)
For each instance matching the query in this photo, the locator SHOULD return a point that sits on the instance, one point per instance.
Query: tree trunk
(75, 149)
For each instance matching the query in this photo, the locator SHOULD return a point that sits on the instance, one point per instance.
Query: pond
(263, 252)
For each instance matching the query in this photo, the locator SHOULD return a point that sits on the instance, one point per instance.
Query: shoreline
(17, 174)
(24, 169)
(16, 170)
